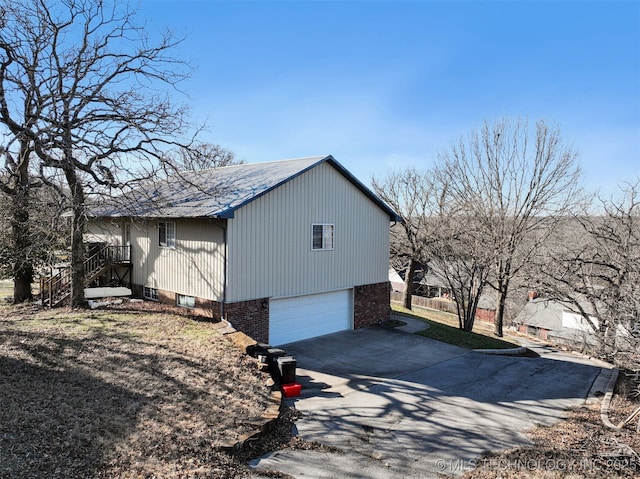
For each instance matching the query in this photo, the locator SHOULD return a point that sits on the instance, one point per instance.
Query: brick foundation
(371, 304)
(166, 297)
(250, 317)
(204, 307)
(208, 308)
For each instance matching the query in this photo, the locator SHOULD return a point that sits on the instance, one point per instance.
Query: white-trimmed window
(150, 293)
(322, 236)
(186, 301)
(167, 234)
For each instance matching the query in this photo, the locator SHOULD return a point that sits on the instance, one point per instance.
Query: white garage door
(303, 317)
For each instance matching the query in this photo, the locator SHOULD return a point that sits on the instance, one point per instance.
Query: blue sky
(383, 85)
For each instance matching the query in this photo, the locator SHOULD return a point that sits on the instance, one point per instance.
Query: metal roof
(219, 192)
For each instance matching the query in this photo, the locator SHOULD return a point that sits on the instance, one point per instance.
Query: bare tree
(16, 152)
(103, 116)
(594, 269)
(517, 185)
(438, 235)
(203, 156)
(409, 193)
(15, 185)
(459, 256)
(45, 231)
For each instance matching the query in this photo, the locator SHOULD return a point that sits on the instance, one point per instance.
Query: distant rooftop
(218, 192)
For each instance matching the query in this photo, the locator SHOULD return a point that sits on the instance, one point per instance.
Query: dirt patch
(580, 447)
(280, 437)
(122, 393)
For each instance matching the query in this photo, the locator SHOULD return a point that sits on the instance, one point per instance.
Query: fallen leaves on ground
(122, 394)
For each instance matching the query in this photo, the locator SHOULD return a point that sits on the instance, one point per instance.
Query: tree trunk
(22, 284)
(22, 279)
(408, 284)
(77, 241)
(501, 299)
(21, 232)
(607, 346)
(469, 318)
(22, 266)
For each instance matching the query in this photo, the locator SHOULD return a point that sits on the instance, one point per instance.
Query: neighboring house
(556, 322)
(425, 282)
(431, 291)
(397, 283)
(284, 251)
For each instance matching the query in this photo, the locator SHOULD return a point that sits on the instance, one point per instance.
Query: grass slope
(443, 327)
(121, 394)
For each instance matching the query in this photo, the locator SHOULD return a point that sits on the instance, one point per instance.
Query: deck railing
(56, 288)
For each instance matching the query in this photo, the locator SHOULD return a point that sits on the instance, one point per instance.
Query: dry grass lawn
(6, 288)
(121, 394)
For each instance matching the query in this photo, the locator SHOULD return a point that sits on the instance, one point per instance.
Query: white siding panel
(270, 239)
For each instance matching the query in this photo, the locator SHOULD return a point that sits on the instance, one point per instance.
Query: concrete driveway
(397, 405)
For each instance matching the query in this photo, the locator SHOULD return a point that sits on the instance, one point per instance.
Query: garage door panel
(310, 301)
(326, 320)
(302, 317)
(295, 313)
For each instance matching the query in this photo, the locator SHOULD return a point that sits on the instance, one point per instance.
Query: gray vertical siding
(195, 267)
(270, 239)
(104, 230)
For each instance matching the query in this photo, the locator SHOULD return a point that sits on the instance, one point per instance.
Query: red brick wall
(250, 317)
(166, 297)
(488, 315)
(207, 307)
(371, 304)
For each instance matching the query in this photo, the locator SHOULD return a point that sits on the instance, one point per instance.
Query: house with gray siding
(284, 250)
(562, 323)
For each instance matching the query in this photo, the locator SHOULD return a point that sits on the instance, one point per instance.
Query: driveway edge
(519, 351)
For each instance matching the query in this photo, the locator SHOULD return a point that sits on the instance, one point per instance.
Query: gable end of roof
(238, 186)
(230, 212)
(393, 216)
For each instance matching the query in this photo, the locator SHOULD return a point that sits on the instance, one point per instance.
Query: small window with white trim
(185, 301)
(167, 234)
(150, 293)
(322, 236)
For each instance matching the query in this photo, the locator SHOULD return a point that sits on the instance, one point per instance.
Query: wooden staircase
(55, 289)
